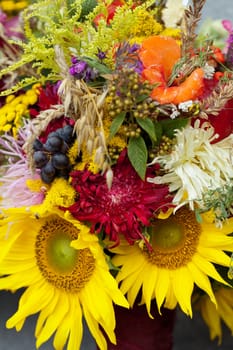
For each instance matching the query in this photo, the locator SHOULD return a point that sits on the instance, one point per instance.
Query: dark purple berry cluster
(51, 157)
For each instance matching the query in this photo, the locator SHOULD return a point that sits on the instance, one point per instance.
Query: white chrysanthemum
(173, 12)
(195, 165)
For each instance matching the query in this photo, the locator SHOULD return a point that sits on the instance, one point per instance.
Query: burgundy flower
(223, 121)
(48, 97)
(124, 208)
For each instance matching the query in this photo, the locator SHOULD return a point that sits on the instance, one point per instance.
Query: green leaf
(198, 216)
(158, 131)
(169, 125)
(148, 126)
(137, 153)
(141, 98)
(102, 69)
(116, 123)
(87, 7)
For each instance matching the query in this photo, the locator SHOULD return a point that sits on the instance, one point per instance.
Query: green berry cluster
(129, 94)
(114, 152)
(165, 147)
(131, 130)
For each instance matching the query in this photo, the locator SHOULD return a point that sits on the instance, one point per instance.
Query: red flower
(48, 97)
(111, 9)
(223, 122)
(123, 209)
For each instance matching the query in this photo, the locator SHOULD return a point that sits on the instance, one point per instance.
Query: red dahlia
(48, 98)
(124, 208)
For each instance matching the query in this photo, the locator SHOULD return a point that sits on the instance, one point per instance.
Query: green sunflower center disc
(174, 240)
(60, 264)
(168, 235)
(60, 254)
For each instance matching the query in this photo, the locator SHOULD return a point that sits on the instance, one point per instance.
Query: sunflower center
(174, 240)
(168, 235)
(60, 254)
(60, 264)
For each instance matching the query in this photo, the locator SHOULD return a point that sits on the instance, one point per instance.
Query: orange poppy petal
(165, 95)
(160, 50)
(154, 75)
(190, 89)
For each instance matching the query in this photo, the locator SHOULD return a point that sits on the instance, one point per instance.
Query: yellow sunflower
(213, 316)
(66, 277)
(183, 255)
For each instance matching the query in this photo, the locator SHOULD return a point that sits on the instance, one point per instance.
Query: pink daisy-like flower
(124, 208)
(14, 189)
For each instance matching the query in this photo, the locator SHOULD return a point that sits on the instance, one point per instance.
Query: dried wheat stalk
(192, 16)
(89, 125)
(85, 105)
(38, 125)
(214, 103)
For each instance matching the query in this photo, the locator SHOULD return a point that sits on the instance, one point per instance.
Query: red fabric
(135, 330)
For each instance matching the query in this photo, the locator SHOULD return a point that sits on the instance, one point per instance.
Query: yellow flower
(16, 108)
(145, 24)
(11, 6)
(66, 277)
(183, 255)
(173, 32)
(60, 194)
(213, 316)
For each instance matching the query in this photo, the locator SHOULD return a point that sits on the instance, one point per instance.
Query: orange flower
(159, 54)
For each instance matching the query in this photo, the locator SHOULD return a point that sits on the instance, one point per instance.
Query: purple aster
(78, 69)
(101, 55)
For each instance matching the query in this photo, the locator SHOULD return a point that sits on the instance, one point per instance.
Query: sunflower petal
(75, 316)
(162, 286)
(183, 288)
(215, 255)
(148, 287)
(207, 268)
(201, 280)
(53, 320)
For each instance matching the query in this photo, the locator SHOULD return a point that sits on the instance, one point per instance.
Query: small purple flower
(90, 74)
(81, 70)
(133, 48)
(78, 69)
(101, 55)
(72, 70)
(74, 60)
(228, 49)
(127, 57)
(138, 67)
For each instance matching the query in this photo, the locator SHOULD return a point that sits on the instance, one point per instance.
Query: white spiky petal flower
(173, 12)
(195, 165)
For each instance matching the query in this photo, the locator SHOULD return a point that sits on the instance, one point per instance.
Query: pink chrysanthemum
(14, 189)
(124, 208)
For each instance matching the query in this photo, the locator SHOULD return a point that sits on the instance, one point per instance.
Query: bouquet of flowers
(116, 139)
